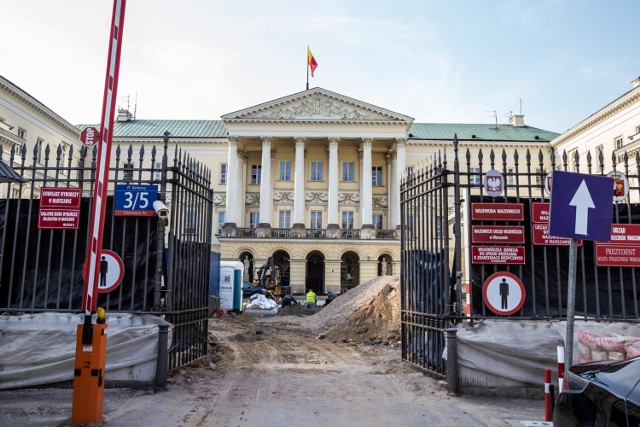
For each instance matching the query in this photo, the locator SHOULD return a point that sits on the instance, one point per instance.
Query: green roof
(428, 131)
(176, 128)
(486, 132)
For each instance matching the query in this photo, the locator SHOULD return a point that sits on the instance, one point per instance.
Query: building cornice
(24, 98)
(597, 119)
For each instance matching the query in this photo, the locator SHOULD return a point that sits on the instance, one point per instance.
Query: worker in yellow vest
(310, 299)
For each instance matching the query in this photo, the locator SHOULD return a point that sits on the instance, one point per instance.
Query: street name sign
(581, 206)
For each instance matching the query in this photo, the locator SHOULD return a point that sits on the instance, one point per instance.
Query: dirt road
(262, 373)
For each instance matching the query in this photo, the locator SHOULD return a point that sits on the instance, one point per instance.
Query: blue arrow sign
(581, 206)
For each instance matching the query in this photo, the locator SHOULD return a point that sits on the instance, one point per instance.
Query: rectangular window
(256, 171)
(127, 172)
(316, 219)
(348, 174)
(157, 172)
(474, 177)
(284, 220)
(619, 142)
(22, 133)
(254, 219)
(511, 179)
(316, 171)
(376, 176)
(409, 172)
(39, 146)
(347, 220)
(220, 221)
(540, 174)
(599, 153)
(377, 221)
(190, 222)
(439, 226)
(223, 173)
(285, 170)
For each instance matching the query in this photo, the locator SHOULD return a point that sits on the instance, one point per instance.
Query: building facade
(28, 126)
(312, 179)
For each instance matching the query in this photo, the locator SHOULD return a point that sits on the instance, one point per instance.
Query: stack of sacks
(260, 302)
(595, 345)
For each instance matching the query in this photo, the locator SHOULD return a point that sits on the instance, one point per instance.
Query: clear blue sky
(446, 61)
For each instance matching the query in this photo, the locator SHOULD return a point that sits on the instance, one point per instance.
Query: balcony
(314, 233)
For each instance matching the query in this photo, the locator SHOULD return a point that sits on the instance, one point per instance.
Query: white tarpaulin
(38, 349)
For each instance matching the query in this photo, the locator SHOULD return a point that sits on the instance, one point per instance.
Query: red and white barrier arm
(90, 300)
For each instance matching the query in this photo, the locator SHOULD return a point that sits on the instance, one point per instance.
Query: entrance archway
(314, 279)
(281, 259)
(349, 270)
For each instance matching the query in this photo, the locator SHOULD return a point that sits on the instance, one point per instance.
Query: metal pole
(571, 304)
(162, 359)
(160, 230)
(452, 361)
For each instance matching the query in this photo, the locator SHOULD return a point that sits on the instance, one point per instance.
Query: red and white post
(88, 389)
(547, 394)
(560, 350)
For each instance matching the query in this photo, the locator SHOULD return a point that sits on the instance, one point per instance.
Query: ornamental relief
(219, 199)
(316, 197)
(379, 202)
(317, 107)
(349, 198)
(283, 197)
(252, 199)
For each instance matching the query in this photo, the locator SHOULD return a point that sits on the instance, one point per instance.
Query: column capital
(333, 142)
(366, 142)
(233, 140)
(401, 142)
(299, 141)
(266, 140)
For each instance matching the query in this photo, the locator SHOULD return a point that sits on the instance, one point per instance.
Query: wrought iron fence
(442, 274)
(41, 269)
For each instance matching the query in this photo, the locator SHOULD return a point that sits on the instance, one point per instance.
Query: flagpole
(307, 67)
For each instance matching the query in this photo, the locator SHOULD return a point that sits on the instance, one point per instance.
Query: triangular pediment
(317, 105)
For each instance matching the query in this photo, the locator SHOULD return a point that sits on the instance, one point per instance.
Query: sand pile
(369, 312)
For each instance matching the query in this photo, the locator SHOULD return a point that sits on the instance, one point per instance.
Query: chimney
(635, 83)
(124, 115)
(517, 120)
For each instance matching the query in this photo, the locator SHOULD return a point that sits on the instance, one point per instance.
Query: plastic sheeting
(39, 349)
(521, 350)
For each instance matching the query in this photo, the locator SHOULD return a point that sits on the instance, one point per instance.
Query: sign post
(88, 384)
(581, 207)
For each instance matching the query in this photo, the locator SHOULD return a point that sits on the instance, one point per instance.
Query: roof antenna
(495, 116)
(135, 107)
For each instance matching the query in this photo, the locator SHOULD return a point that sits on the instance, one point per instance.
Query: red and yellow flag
(311, 61)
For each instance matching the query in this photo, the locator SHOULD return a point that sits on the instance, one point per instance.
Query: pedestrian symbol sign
(111, 271)
(503, 293)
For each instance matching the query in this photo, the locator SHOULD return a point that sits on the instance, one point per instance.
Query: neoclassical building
(312, 179)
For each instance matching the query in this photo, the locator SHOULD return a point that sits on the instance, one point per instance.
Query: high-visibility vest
(311, 297)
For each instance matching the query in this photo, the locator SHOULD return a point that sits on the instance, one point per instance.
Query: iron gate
(41, 269)
(438, 292)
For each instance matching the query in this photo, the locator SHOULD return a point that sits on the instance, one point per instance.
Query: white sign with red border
(111, 271)
(503, 293)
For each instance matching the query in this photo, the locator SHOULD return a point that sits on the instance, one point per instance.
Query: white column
(366, 185)
(400, 167)
(266, 196)
(298, 183)
(231, 212)
(393, 188)
(332, 203)
(242, 159)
